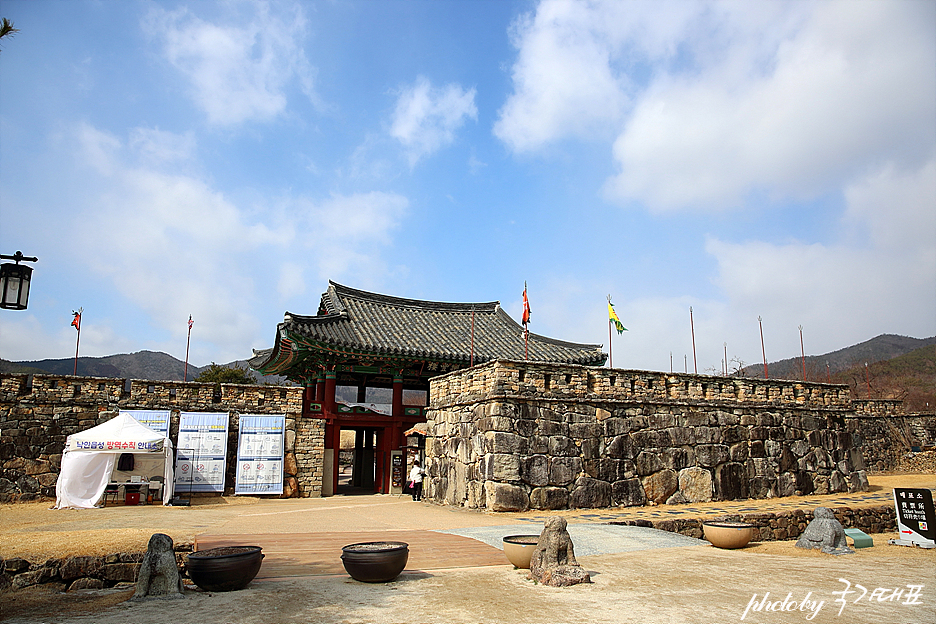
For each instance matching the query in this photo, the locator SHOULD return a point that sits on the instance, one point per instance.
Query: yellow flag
(613, 318)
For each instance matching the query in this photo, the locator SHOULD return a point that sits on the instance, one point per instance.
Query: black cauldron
(375, 562)
(226, 568)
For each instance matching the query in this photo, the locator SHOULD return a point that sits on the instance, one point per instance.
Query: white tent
(91, 455)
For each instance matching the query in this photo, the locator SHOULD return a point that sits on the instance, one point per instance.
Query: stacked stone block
(38, 413)
(509, 436)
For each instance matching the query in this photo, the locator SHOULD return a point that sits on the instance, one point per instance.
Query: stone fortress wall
(508, 428)
(509, 436)
(38, 412)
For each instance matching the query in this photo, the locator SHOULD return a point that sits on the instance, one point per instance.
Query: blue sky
(225, 160)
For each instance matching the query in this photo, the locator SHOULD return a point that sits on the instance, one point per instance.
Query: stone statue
(553, 562)
(159, 573)
(825, 533)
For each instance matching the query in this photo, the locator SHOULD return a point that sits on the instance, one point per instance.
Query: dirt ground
(692, 584)
(697, 584)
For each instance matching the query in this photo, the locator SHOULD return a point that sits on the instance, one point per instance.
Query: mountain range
(898, 367)
(151, 365)
(820, 367)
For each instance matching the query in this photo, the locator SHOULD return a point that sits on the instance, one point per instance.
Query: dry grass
(881, 550)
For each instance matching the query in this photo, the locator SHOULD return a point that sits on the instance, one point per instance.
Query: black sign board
(397, 470)
(915, 513)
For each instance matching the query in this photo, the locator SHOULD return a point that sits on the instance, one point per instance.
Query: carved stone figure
(553, 562)
(825, 533)
(159, 573)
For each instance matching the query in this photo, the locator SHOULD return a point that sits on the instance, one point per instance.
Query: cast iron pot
(375, 562)
(226, 568)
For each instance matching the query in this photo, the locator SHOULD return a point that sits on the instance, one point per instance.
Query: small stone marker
(553, 562)
(159, 573)
(825, 533)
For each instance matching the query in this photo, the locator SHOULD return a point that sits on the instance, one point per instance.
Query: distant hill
(910, 378)
(822, 367)
(150, 365)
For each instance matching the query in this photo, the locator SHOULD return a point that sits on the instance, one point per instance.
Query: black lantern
(14, 282)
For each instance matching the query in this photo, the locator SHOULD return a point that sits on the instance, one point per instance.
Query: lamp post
(14, 282)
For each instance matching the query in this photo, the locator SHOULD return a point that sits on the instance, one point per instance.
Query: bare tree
(6, 28)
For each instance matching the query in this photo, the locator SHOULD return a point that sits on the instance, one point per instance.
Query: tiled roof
(353, 320)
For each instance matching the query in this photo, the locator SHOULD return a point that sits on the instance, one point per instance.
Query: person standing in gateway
(416, 480)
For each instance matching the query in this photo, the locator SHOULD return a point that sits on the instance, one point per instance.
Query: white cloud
(426, 118)
(349, 229)
(563, 81)
(880, 276)
(711, 102)
(850, 87)
(156, 147)
(24, 338)
(291, 281)
(173, 246)
(238, 70)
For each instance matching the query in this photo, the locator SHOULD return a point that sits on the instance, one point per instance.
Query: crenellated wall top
(141, 393)
(573, 383)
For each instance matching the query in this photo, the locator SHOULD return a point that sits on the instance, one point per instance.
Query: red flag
(76, 322)
(526, 306)
(190, 321)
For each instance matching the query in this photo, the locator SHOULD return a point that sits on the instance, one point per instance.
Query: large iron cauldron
(375, 562)
(226, 568)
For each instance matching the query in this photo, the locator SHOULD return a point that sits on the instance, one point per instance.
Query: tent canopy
(90, 457)
(121, 434)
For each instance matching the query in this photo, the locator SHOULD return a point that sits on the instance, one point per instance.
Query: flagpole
(695, 366)
(763, 350)
(802, 351)
(78, 339)
(526, 321)
(610, 351)
(188, 341)
(471, 363)
(610, 346)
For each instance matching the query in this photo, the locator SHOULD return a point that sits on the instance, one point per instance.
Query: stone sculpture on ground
(159, 573)
(825, 533)
(553, 562)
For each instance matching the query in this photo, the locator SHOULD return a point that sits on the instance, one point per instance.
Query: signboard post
(202, 452)
(396, 472)
(260, 454)
(916, 518)
(157, 420)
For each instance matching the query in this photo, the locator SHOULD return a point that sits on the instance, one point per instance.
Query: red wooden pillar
(391, 435)
(328, 398)
(319, 388)
(397, 401)
(333, 427)
(308, 396)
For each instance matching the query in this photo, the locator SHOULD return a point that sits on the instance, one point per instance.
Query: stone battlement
(509, 436)
(563, 383)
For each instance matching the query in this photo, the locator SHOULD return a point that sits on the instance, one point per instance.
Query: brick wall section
(38, 412)
(509, 436)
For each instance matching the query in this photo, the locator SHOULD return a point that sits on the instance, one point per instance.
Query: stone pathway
(882, 497)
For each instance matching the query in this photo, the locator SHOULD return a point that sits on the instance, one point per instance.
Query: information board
(202, 452)
(157, 420)
(260, 454)
(916, 518)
